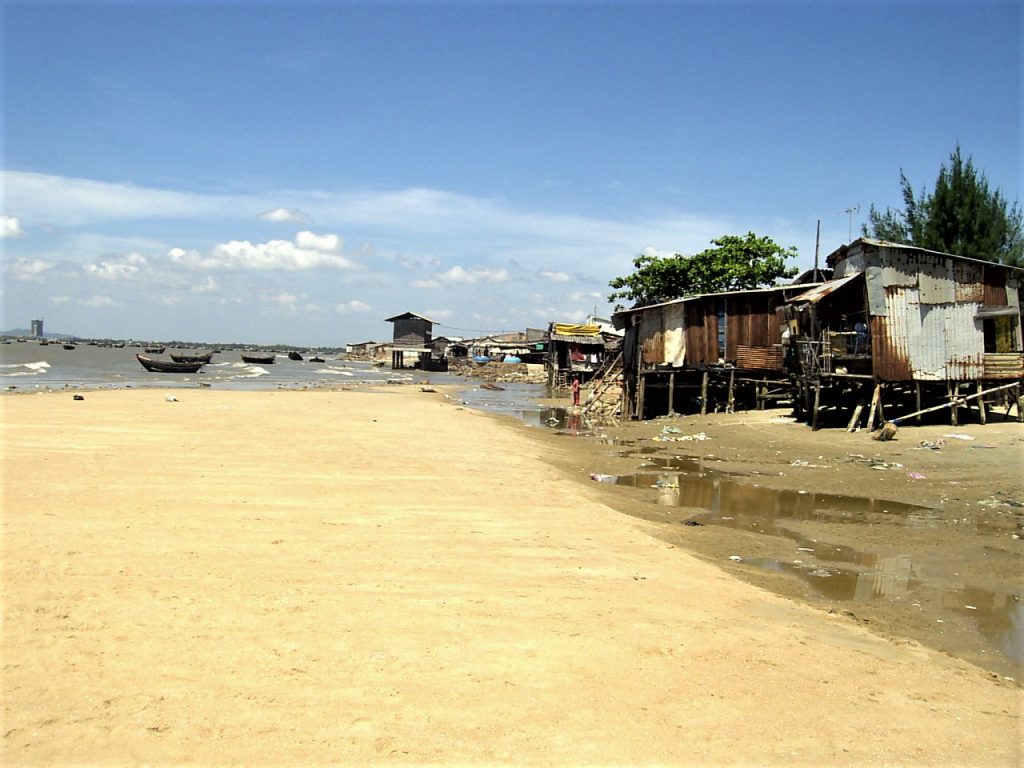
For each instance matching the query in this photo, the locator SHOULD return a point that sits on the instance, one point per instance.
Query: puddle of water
(836, 571)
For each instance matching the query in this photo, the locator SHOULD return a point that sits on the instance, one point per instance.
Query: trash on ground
(802, 463)
(736, 558)
(674, 435)
(931, 445)
(172, 399)
(598, 477)
(78, 397)
(915, 476)
(960, 436)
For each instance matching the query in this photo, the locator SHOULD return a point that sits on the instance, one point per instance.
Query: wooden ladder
(605, 378)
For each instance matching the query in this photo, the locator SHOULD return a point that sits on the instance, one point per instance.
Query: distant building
(413, 337)
(37, 329)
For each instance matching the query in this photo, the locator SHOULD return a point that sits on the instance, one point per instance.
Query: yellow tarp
(577, 329)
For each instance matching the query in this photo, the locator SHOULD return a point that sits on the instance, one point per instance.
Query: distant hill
(25, 332)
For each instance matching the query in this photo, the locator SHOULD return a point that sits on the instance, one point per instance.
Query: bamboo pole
(704, 395)
(947, 405)
(982, 416)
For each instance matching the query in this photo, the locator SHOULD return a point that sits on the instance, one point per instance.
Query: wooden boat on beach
(316, 359)
(167, 366)
(192, 358)
(155, 350)
(294, 356)
(258, 359)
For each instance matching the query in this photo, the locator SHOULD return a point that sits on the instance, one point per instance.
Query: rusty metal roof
(819, 292)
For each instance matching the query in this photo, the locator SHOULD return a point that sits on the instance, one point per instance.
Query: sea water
(32, 367)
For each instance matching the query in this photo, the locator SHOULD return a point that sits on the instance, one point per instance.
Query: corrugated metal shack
(909, 328)
(720, 350)
(575, 350)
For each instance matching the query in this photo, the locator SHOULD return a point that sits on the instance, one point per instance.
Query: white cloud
(352, 306)
(58, 300)
(554, 277)
(586, 295)
(127, 268)
(462, 276)
(10, 227)
(314, 242)
(425, 284)
(439, 314)
(31, 270)
(71, 201)
(292, 215)
(286, 299)
(98, 301)
(308, 251)
(207, 286)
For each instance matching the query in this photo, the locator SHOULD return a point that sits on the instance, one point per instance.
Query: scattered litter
(662, 483)
(971, 607)
(915, 476)
(804, 549)
(802, 463)
(736, 558)
(692, 523)
(959, 436)
(821, 573)
(172, 399)
(873, 462)
(427, 389)
(931, 445)
(674, 435)
(596, 476)
(78, 397)
(982, 445)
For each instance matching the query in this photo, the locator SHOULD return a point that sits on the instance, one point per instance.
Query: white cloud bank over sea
(107, 257)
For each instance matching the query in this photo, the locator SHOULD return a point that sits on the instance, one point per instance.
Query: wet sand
(355, 577)
(920, 537)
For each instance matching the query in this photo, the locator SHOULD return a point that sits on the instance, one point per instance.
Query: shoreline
(288, 576)
(944, 526)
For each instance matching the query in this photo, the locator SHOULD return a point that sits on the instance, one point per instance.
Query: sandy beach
(295, 578)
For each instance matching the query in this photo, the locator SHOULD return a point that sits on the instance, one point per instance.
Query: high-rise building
(37, 329)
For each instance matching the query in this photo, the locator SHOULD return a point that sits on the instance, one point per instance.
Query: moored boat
(155, 350)
(294, 356)
(192, 358)
(258, 359)
(167, 366)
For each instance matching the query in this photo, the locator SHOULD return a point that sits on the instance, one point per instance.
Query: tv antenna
(855, 208)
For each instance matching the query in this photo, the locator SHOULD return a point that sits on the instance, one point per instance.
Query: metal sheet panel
(964, 342)
(893, 334)
(968, 281)
(876, 291)
(935, 280)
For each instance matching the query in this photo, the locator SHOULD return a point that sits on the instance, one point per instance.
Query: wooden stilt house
(906, 329)
(711, 351)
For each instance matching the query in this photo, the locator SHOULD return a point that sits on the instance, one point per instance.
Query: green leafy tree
(962, 216)
(734, 263)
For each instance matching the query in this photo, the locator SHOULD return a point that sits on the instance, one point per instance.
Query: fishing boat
(258, 359)
(69, 346)
(294, 356)
(167, 366)
(316, 359)
(155, 350)
(192, 358)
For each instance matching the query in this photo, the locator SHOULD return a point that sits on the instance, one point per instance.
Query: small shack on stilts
(903, 331)
(719, 351)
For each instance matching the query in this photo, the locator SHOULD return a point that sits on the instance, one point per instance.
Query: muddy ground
(921, 537)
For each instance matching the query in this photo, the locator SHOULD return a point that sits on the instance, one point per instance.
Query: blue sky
(296, 173)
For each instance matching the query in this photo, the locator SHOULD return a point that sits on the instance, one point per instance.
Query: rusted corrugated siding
(696, 345)
(650, 338)
(995, 286)
(964, 342)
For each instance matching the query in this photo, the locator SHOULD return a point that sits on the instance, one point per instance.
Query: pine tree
(962, 216)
